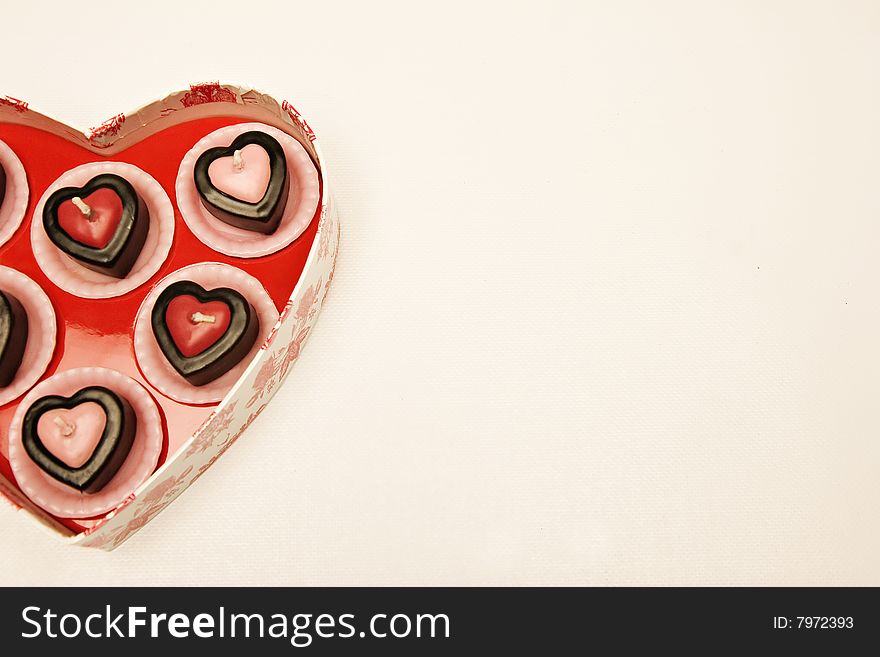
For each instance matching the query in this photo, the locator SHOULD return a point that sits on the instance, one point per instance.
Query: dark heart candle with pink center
(81, 440)
(103, 225)
(203, 333)
(245, 184)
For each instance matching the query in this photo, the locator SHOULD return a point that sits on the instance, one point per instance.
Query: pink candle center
(72, 434)
(244, 176)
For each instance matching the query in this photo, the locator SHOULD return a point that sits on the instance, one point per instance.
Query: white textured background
(606, 308)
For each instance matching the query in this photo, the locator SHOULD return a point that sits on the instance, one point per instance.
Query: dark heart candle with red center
(203, 333)
(13, 337)
(81, 440)
(245, 184)
(103, 225)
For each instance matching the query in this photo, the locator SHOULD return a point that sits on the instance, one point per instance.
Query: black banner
(445, 621)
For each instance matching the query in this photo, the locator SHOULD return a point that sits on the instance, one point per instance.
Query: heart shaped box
(207, 431)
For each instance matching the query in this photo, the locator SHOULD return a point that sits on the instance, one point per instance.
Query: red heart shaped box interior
(99, 332)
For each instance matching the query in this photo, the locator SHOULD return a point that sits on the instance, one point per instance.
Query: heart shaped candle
(243, 175)
(13, 337)
(103, 224)
(202, 333)
(72, 435)
(81, 440)
(27, 334)
(102, 210)
(195, 325)
(70, 431)
(245, 184)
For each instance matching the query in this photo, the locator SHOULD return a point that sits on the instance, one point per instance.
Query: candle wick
(82, 206)
(200, 318)
(67, 428)
(237, 161)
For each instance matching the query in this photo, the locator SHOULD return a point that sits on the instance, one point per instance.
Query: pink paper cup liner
(152, 362)
(42, 332)
(81, 281)
(62, 500)
(302, 199)
(16, 198)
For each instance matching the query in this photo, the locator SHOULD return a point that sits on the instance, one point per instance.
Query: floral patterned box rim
(250, 395)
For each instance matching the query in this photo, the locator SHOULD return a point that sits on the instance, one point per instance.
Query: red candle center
(95, 224)
(194, 326)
